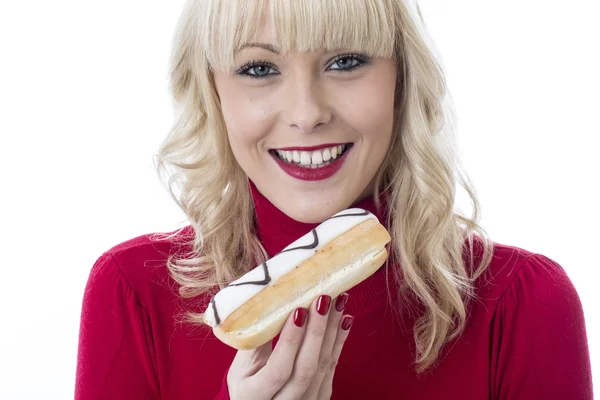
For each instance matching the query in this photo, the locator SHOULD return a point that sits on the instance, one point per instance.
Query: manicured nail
(323, 304)
(340, 302)
(347, 322)
(300, 317)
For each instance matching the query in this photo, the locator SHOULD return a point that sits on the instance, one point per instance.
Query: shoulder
(140, 264)
(150, 243)
(537, 333)
(519, 276)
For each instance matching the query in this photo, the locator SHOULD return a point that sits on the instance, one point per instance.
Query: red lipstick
(312, 174)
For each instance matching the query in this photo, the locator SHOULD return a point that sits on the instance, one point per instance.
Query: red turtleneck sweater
(525, 337)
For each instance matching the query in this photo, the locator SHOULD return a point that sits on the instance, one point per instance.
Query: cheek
(369, 110)
(247, 120)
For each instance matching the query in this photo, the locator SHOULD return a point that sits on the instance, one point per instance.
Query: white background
(84, 106)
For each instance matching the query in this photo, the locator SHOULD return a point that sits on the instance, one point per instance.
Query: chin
(313, 209)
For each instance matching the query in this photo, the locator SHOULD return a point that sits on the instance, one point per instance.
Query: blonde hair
(420, 170)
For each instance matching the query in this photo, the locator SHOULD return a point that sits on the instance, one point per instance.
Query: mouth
(315, 159)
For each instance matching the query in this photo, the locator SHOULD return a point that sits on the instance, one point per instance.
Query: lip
(311, 148)
(316, 174)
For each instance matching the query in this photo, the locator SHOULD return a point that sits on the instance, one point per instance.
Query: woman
(290, 113)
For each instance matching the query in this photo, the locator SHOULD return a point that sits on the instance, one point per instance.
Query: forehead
(263, 33)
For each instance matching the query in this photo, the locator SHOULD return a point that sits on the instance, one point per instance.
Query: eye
(257, 70)
(348, 62)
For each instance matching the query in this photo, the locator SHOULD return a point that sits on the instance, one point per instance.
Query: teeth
(312, 159)
(305, 158)
(317, 157)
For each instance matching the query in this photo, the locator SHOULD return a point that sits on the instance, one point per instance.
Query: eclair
(335, 256)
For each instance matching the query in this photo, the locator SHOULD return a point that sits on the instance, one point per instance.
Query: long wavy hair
(420, 170)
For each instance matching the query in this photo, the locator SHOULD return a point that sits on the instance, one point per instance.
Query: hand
(302, 364)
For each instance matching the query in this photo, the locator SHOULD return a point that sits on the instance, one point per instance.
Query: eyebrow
(264, 46)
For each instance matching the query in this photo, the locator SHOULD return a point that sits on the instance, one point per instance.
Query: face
(310, 129)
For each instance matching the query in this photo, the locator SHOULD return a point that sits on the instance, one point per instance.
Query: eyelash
(243, 70)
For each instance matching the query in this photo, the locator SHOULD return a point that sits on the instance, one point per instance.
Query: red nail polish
(340, 302)
(347, 322)
(300, 317)
(323, 304)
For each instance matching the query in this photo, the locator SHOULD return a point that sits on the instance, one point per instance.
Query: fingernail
(340, 302)
(300, 317)
(323, 304)
(347, 322)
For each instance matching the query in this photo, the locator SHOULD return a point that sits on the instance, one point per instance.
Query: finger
(248, 362)
(327, 361)
(333, 325)
(305, 366)
(344, 330)
(279, 367)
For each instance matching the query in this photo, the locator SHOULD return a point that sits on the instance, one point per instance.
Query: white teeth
(305, 158)
(317, 157)
(312, 159)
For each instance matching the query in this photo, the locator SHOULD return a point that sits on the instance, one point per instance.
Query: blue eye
(261, 69)
(257, 69)
(349, 62)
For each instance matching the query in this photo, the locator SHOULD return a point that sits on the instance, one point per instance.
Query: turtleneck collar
(276, 230)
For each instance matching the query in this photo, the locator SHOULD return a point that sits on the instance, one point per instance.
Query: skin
(304, 99)
(300, 366)
(308, 99)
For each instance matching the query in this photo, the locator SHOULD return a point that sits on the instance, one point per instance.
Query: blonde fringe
(420, 171)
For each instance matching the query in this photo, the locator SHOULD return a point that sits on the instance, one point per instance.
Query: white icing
(230, 298)
(209, 316)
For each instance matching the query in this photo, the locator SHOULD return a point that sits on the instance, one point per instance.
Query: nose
(307, 106)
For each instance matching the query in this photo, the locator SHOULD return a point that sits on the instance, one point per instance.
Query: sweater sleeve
(539, 345)
(114, 357)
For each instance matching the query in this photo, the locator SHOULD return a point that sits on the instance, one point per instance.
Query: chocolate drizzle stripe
(265, 281)
(216, 314)
(362, 214)
(313, 245)
(267, 278)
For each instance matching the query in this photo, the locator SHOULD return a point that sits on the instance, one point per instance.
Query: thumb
(251, 361)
